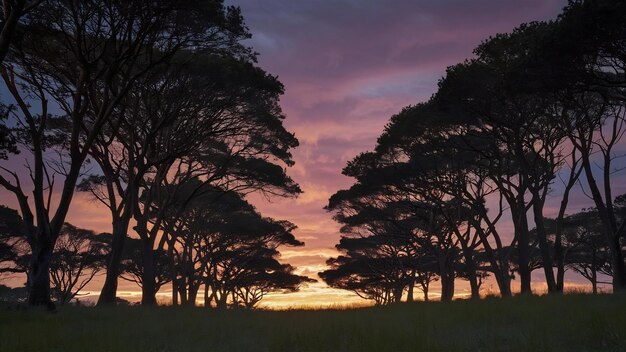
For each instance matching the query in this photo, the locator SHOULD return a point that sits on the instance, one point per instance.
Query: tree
(84, 57)
(595, 78)
(518, 137)
(429, 150)
(264, 274)
(12, 11)
(588, 249)
(8, 294)
(379, 246)
(390, 229)
(131, 266)
(228, 134)
(79, 255)
(219, 241)
(11, 238)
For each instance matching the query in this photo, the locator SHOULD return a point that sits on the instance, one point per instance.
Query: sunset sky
(348, 66)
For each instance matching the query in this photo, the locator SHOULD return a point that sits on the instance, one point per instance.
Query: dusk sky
(348, 66)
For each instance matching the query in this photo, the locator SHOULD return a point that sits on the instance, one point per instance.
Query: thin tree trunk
(594, 282)
(546, 257)
(207, 301)
(174, 292)
(470, 269)
(499, 269)
(523, 248)
(605, 210)
(447, 279)
(409, 296)
(193, 294)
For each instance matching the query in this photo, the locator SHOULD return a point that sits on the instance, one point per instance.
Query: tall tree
(228, 134)
(83, 58)
(595, 78)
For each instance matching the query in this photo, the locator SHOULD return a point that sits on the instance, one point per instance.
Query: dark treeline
(157, 111)
(538, 113)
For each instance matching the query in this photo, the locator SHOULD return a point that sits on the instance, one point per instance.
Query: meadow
(556, 323)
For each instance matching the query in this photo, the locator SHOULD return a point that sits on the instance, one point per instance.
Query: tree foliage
(530, 113)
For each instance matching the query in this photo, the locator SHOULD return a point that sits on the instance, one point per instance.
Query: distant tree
(373, 268)
(588, 252)
(218, 240)
(262, 274)
(425, 273)
(9, 294)
(131, 268)
(79, 255)
(11, 238)
(378, 241)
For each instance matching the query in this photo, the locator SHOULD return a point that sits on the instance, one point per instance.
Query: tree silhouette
(79, 255)
(219, 241)
(11, 238)
(12, 11)
(86, 57)
(228, 134)
(131, 266)
(534, 107)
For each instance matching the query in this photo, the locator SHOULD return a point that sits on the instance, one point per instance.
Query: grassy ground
(567, 323)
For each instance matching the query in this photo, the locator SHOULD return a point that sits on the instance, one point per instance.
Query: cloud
(348, 66)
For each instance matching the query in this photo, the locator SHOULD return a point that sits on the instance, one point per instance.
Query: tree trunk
(221, 301)
(546, 257)
(148, 288)
(503, 279)
(193, 294)
(594, 282)
(397, 294)
(174, 292)
(409, 296)
(207, 301)
(500, 268)
(447, 279)
(605, 210)
(470, 268)
(560, 262)
(474, 287)
(109, 289)
(39, 274)
(173, 273)
(619, 268)
(447, 289)
(523, 248)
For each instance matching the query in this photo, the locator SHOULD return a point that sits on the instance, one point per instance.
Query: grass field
(564, 323)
